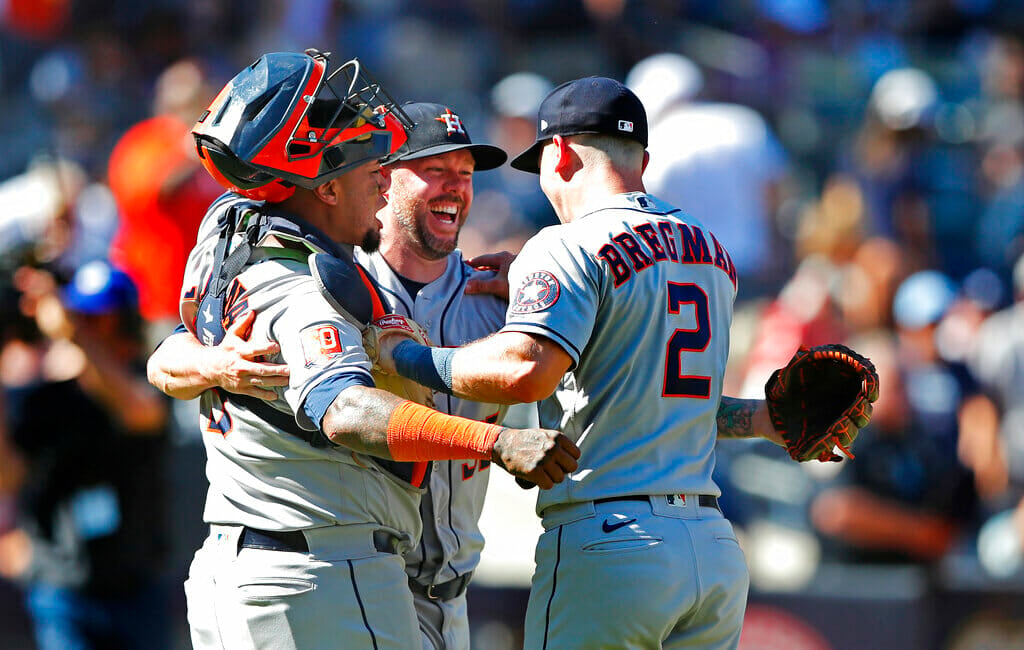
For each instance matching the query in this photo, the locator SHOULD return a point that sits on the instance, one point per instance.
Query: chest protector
(336, 269)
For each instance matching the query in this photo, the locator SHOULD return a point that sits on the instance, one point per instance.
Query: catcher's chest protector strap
(349, 289)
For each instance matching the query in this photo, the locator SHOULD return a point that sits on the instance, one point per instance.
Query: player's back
(646, 304)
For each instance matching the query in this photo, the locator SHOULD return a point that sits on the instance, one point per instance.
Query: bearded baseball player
(315, 490)
(424, 276)
(625, 309)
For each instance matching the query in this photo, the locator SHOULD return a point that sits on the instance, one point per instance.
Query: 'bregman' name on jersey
(667, 241)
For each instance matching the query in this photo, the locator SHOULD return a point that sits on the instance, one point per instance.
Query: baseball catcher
(821, 400)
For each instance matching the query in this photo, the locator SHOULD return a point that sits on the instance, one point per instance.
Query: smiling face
(429, 200)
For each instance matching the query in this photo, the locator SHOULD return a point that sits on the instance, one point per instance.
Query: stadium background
(897, 215)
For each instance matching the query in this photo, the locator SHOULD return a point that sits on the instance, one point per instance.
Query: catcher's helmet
(284, 121)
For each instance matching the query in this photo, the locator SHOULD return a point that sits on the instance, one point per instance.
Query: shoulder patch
(539, 291)
(320, 344)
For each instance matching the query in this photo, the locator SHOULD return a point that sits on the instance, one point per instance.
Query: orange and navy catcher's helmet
(287, 121)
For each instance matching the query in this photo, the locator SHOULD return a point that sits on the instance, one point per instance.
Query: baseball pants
(662, 572)
(444, 624)
(342, 593)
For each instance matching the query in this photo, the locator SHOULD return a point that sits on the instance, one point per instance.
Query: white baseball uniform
(450, 547)
(256, 583)
(635, 553)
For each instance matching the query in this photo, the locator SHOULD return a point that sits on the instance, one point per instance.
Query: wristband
(418, 433)
(431, 367)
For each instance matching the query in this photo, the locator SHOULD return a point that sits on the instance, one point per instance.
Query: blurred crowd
(863, 162)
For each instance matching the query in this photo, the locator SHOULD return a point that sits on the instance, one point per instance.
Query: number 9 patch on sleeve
(320, 344)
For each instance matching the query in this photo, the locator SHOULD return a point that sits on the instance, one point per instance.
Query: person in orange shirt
(161, 198)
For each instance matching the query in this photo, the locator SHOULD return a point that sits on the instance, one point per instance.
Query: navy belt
(274, 540)
(443, 591)
(295, 542)
(704, 500)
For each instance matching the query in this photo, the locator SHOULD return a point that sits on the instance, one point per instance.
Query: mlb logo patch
(626, 125)
(677, 500)
(320, 344)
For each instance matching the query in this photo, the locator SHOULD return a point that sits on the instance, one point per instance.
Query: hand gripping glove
(821, 400)
(397, 325)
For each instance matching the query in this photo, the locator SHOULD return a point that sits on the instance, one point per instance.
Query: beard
(431, 246)
(371, 241)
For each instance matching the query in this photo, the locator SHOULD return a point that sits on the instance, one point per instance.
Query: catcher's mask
(286, 121)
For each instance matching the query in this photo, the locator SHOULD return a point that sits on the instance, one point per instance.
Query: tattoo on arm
(736, 417)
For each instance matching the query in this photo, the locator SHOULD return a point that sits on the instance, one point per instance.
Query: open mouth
(446, 213)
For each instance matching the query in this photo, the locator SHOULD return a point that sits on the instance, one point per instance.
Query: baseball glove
(397, 325)
(821, 400)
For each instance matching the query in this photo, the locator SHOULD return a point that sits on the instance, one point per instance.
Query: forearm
(358, 419)
(377, 423)
(133, 402)
(870, 521)
(505, 368)
(745, 418)
(111, 377)
(175, 367)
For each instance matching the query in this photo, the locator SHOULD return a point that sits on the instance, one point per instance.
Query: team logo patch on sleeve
(320, 344)
(538, 292)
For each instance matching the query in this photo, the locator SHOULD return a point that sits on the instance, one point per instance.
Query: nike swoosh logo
(608, 526)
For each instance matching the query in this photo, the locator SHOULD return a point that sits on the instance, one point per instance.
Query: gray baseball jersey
(451, 540)
(347, 585)
(641, 297)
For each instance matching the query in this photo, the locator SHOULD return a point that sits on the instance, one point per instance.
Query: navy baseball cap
(98, 288)
(439, 130)
(589, 105)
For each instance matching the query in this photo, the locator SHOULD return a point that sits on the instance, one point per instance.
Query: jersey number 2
(693, 340)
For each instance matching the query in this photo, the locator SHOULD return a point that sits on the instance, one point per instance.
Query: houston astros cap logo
(439, 130)
(451, 121)
(538, 292)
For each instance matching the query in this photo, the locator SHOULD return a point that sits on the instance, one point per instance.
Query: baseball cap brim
(529, 160)
(486, 156)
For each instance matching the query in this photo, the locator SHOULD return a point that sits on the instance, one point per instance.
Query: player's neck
(409, 263)
(579, 196)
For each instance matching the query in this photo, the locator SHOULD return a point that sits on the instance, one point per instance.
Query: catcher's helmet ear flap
(285, 122)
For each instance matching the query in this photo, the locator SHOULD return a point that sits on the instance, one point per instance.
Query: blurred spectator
(37, 222)
(90, 529)
(162, 192)
(907, 496)
(720, 163)
(997, 361)
(1000, 227)
(917, 190)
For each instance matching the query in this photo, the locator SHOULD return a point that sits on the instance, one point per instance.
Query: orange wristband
(416, 432)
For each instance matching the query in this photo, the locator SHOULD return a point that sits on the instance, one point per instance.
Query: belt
(704, 500)
(443, 591)
(274, 540)
(294, 541)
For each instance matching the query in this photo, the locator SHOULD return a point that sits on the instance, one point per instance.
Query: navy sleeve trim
(323, 395)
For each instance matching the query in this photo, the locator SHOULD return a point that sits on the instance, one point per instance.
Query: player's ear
(385, 173)
(647, 159)
(328, 192)
(562, 154)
